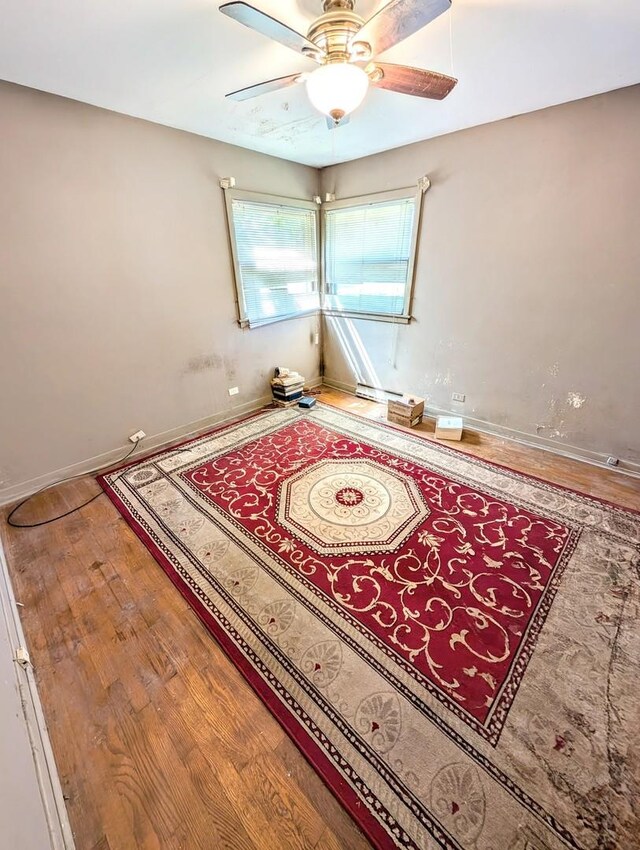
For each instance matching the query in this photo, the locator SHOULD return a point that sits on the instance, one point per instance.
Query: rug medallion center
(349, 496)
(343, 506)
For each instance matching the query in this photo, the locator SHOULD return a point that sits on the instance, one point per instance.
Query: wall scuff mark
(554, 429)
(576, 400)
(203, 362)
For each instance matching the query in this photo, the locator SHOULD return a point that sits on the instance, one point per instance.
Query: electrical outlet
(233, 390)
(612, 461)
(458, 396)
(22, 657)
(139, 435)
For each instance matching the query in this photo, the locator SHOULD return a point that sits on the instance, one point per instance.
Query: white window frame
(362, 200)
(232, 195)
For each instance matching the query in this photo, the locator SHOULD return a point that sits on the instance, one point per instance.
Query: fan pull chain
(451, 40)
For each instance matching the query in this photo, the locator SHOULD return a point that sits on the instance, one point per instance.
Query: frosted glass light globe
(337, 89)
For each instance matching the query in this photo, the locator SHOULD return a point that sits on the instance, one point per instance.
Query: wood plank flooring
(159, 741)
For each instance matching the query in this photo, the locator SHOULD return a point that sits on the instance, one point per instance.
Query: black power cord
(13, 524)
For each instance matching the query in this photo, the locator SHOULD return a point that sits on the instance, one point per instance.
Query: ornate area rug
(454, 646)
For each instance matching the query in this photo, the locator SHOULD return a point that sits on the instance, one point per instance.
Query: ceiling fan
(345, 47)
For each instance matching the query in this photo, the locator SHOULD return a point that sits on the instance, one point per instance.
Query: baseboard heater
(375, 393)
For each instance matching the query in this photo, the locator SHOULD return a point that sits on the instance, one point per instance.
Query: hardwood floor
(159, 741)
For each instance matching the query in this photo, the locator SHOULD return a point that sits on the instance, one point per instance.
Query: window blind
(276, 255)
(368, 256)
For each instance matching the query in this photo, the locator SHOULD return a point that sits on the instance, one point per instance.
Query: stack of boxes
(406, 411)
(286, 388)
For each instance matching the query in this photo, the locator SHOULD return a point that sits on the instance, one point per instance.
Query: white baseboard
(155, 441)
(43, 813)
(340, 385)
(625, 467)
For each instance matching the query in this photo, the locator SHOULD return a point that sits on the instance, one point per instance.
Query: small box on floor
(407, 411)
(448, 428)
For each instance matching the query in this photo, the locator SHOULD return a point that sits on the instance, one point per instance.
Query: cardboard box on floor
(407, 411)
(448, 428)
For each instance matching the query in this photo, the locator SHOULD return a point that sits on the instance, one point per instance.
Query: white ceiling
(172, 61)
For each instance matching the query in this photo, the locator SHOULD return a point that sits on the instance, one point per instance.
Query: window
(369, 249)
(274, 243)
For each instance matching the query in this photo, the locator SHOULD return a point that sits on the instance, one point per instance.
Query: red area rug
(422, 623)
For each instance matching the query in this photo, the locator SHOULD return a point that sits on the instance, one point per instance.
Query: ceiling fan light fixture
(336, 89)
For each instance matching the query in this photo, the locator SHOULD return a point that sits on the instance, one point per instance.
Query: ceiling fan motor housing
(332, 32)
(332, 5)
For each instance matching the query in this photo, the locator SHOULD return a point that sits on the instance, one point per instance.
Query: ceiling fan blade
(272, 28)
(398, 20)
(414, 81)
(266, 87)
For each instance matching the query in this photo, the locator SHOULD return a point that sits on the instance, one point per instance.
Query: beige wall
(117, 302)
(527, 293)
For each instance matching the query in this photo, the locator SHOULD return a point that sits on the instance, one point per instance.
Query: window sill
(246, 324)
(340, 314)
(374, 317)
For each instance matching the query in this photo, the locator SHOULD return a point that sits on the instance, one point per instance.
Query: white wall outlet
(458, 396)
(233, 391)
(612, 461)
(139, 435)
(22, 657)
